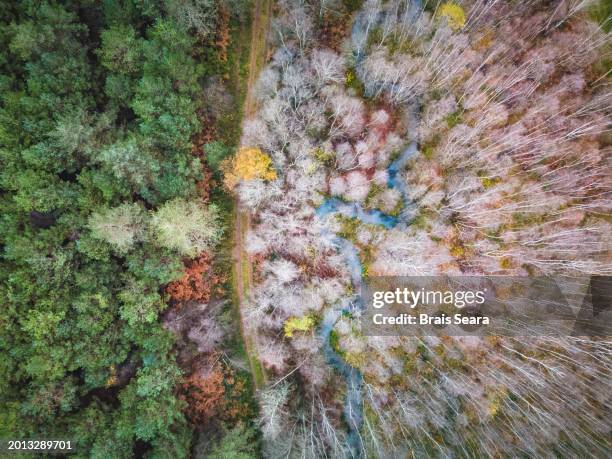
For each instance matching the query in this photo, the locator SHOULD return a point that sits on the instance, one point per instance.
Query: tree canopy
(99, 105)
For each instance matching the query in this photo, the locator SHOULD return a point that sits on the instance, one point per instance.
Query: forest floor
(242, 270)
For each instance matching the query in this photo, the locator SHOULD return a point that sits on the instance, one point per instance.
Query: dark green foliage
(215, 153)
(236, 443)
(121, 51)
(98, 105)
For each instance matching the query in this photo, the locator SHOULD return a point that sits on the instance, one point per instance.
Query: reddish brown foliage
(310, 267)
(256, 266)
(203, 186)
(213, 392)
(204, 393)
(334, 29)
(207, 134)
(198, 282)
(223, 33)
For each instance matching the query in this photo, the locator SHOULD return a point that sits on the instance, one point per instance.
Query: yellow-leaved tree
(294, 324)
(247, 164)
(454, 14)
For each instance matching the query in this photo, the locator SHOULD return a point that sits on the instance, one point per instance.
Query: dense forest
(194, 192)
(408, 138)
(107, 221)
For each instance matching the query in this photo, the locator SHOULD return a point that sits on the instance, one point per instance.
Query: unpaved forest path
(243, 273)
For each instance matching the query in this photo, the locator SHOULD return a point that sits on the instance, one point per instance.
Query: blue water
(399, 165)
(355, 210)
(353, 406)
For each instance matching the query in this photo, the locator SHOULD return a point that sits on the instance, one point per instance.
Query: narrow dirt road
(243, 274)
(260, 25)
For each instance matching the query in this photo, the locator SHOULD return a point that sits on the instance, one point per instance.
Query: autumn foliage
(454, 14)
(223, 34)
(213, 392)
(248, 164)
(198, 282)
(334, 29)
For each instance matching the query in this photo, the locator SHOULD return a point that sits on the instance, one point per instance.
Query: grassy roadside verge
(228, 127)
(242, 269)
(245, 58)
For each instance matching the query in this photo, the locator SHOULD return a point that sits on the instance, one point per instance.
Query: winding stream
(353, 406)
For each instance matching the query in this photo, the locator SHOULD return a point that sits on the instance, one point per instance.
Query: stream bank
(353, 405)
